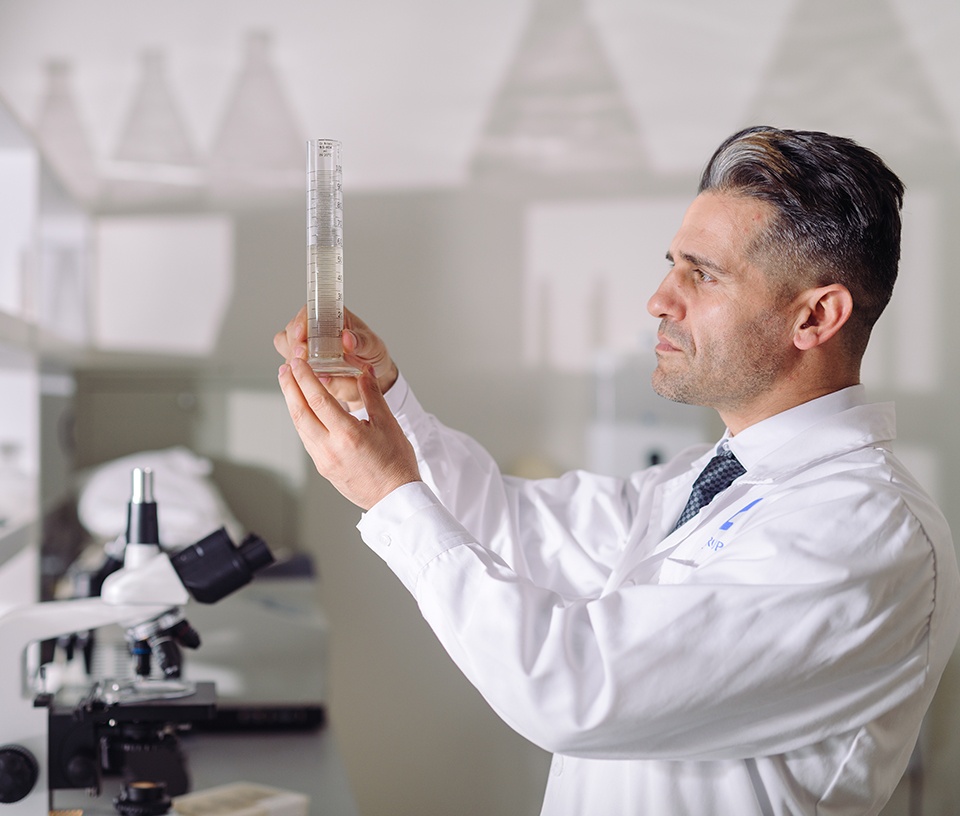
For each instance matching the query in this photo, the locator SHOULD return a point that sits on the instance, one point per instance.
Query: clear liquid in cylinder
(325, 259)
(325, 290)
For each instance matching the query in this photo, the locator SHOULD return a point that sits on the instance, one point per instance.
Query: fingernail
(283, 370)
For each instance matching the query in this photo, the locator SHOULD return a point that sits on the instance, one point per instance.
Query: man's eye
(703, 277)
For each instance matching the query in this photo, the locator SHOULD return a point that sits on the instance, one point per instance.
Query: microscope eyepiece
(142, 526)
(255, 553)
(214, 567)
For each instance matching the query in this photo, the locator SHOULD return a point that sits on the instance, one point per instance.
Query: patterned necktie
(716, 476)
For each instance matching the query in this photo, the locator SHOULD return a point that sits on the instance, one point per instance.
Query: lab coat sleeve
(799, 632)
(574, 527)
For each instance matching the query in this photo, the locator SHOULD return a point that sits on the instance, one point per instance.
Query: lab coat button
(556, 767)
(385, 539)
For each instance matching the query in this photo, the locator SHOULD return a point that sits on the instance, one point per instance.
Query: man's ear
(823, 312)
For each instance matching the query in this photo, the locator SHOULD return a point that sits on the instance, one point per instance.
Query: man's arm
(779, 647)
(573, 528)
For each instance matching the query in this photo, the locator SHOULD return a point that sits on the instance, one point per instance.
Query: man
(770, 649)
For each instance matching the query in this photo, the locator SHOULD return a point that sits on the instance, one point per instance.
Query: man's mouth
(665, 344)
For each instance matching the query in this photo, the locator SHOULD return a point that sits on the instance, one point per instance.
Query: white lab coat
(775, 655)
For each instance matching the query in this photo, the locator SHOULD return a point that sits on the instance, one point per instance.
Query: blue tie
(716, 476)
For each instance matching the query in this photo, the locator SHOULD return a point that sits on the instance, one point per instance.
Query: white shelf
(44, 288)
(14, 538)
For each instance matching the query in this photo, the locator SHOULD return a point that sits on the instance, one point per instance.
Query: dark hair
(838, 211)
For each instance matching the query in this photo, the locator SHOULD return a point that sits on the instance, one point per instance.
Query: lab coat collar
(827, 426)
(785, 444)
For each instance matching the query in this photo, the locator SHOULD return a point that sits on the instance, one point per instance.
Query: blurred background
(513, 174)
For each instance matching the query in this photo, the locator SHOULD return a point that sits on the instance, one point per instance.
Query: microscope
(69, 738)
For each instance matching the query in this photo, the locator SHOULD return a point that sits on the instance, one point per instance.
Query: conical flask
(867, 81)
(259, 146)
(62, 136)
(155, 157)
(154, 131)
(560, 111)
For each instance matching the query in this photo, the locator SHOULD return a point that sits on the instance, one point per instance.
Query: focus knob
(18, 773)
(83, 771)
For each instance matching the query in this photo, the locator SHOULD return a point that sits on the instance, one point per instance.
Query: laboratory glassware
(155, 132)
(259, 144)
(325, 259)
(63, 136)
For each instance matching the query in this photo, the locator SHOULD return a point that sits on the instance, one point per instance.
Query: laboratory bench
(305, 762)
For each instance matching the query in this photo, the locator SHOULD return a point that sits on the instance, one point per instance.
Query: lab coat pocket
(676, 570)
(714, 535)
(703, 545)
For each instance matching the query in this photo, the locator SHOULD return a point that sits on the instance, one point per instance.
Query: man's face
(725, 337)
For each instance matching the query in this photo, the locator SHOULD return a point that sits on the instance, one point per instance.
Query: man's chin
(671, 390)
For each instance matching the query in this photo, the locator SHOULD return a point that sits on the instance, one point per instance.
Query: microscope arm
(22, 626)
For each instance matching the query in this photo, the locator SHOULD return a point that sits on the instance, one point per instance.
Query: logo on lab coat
(714, 542)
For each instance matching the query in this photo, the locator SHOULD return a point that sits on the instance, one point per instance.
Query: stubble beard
(724, 375)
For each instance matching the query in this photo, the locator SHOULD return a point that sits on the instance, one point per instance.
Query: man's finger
(370, 393)
(293, 335)
(324, 405)
(304, 418)
(350, 341)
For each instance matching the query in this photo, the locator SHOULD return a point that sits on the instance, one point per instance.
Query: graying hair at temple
(838, 212)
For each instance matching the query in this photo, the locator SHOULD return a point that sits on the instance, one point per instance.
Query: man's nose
(665, 302)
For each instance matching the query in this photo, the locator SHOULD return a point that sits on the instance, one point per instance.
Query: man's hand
(361, 347)
(363, 459)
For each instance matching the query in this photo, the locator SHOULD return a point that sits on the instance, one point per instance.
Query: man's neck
(773, 403)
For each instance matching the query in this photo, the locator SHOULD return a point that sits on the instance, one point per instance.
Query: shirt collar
(754, 443)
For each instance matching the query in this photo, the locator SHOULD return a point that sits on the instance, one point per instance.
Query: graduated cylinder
(325, 258)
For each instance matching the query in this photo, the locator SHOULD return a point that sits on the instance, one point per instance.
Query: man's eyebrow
(697, 260)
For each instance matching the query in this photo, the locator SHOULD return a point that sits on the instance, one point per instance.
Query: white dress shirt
(774, 655)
